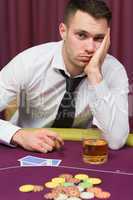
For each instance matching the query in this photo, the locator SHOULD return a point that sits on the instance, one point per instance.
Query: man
(38, 76)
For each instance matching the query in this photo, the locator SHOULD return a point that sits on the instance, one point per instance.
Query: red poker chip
(103, 195)
(50, 195)
(74, 180)
(58, 189)
(72, 191)
(95, 190)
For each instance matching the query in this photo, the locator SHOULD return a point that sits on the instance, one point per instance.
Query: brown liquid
(95, 151)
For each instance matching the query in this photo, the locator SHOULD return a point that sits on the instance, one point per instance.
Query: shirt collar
(57, 62)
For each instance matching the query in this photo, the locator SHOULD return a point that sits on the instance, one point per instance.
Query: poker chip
(58, 180)
(95, 190)
(50, 195)
(58, 189)
(87, 195)
(81, 176)
(103, 195)
(26, 188)
(66, 184)
(95, 181)
(72, 191)
(38, 188)
(74, 180)
(51, 184)
(61, 197)
(85, 184)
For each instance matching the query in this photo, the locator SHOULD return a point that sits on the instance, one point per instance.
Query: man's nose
(90, 45)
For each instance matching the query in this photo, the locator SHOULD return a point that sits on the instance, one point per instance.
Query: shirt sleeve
(10, 84)
(109, 106)
(7, 130)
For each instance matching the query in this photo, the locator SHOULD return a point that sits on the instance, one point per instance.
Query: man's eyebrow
(101, 35)
(81, 31)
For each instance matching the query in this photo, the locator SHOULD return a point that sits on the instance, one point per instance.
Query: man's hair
(96, 8)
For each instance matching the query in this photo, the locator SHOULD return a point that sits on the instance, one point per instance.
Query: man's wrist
(94, 78)
(15, 138)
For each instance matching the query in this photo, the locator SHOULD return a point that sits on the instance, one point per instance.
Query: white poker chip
(61, 197)
(87, 195)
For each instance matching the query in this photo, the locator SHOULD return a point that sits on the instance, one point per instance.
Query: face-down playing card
(36, 161)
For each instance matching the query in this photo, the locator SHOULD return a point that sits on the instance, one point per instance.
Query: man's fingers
(57, 145)
(103, 49)
(54, 136)
(48, 140)
(107, 41)
(43, 147)
(46, 146)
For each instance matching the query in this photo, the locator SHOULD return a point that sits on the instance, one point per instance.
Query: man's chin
(84, 63)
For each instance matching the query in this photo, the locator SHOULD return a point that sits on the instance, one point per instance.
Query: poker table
(116, 174)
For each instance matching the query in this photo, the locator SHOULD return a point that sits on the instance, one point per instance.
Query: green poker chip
(86, 184)
(67, 184)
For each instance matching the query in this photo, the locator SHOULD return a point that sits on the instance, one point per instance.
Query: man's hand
(41, 140)
(93, 69)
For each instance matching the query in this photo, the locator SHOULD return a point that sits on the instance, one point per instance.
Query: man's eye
(81, 35)
(98, 39)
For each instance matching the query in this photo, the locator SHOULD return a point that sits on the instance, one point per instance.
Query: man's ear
(62, 30)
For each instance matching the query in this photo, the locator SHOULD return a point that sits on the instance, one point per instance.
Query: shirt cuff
(7, 130)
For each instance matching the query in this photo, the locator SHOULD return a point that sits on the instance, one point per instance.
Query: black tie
(66, 111)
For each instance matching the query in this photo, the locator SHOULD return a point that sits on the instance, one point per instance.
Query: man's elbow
(117, 144)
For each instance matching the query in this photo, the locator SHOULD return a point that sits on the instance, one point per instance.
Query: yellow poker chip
(26, 188)
(51, 184)
(58, 180)
(95, 181)
(81, 176)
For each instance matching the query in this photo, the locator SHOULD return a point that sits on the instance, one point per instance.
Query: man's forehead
(85, 21)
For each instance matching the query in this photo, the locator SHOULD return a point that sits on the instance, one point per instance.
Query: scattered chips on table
(69, 187)
(26, 188)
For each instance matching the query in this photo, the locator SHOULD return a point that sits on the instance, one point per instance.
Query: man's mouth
(85, 58)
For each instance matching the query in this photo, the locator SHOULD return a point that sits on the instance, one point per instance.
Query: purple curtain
(25, 23)
(121, 37)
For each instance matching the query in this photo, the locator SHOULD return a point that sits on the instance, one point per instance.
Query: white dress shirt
(33, 76)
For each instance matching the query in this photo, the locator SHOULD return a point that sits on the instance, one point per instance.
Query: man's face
(82, 37)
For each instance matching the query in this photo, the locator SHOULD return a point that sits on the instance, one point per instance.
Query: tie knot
(71, 83)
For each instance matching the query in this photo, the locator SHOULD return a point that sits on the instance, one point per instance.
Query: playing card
(36, 161)
(55, 162)
(32, 160)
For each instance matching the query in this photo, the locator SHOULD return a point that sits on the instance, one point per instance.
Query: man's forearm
(111, 115)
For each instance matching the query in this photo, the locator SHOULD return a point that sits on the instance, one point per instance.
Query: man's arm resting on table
(41, 140)
(110, 113)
